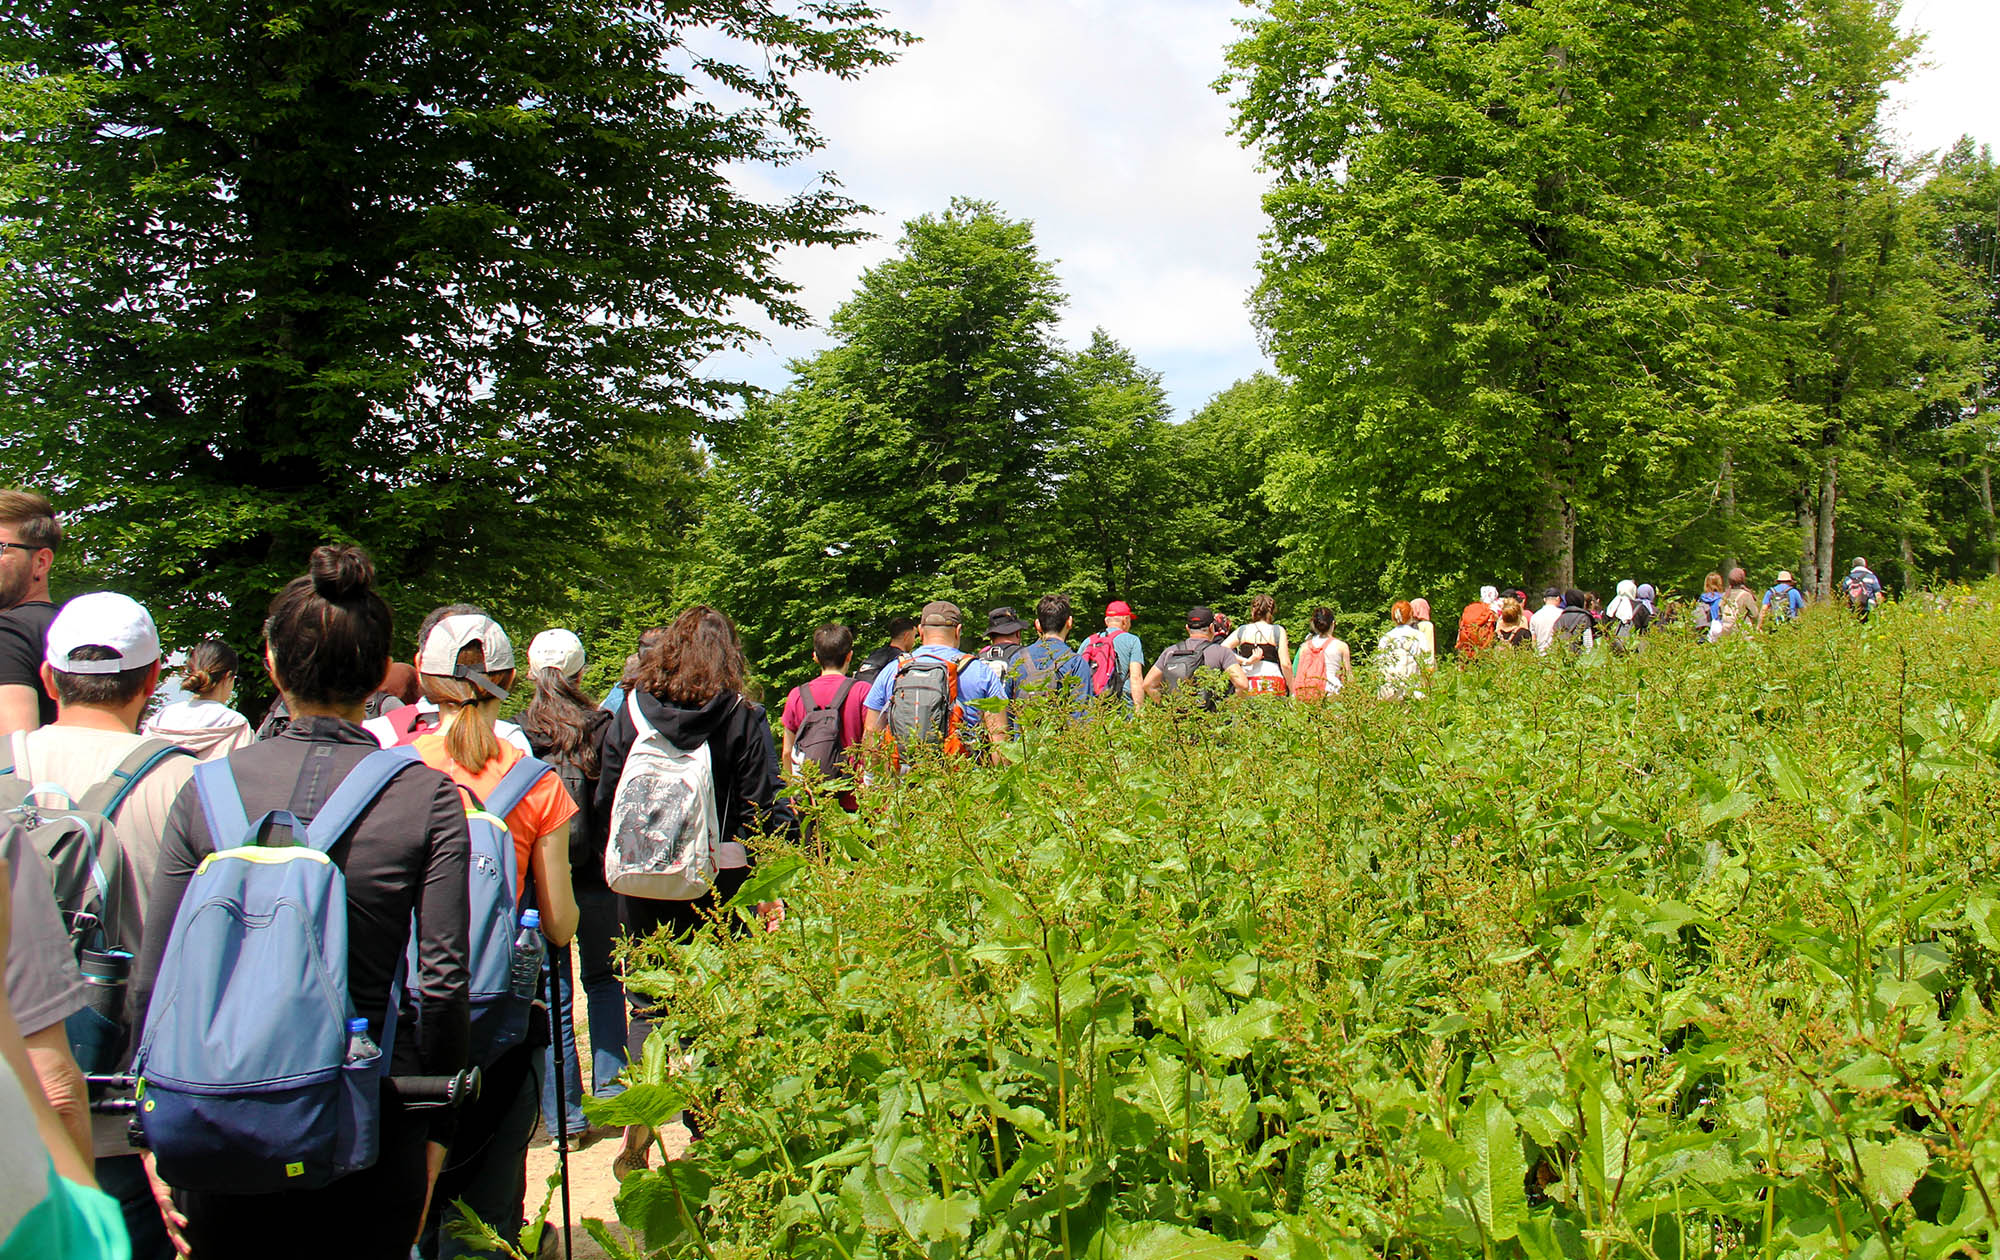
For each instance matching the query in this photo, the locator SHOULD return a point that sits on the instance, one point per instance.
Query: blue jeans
(604, 1000)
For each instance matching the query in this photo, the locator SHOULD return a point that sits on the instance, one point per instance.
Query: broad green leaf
(1493, 1166)
(664, 1204)
(1784, 768)
(1155, 1240)
(1889, 1170)
(652, 1105)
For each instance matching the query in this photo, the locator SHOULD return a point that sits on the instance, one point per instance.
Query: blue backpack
(499, 1019)
(245, 1081)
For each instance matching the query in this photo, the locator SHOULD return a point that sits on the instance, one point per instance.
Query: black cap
(1004, 620)
(1552, 592)
(1200, 617)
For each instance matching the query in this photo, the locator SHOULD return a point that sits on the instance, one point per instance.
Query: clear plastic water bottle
(360, 1046)
(526, 979)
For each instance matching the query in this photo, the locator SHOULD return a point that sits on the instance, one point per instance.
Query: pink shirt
(824, 689)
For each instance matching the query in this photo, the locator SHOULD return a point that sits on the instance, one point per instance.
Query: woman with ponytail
(404, 859)
(465, 666)
(204, 724)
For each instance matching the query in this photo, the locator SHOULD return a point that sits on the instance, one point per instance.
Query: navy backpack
(245, 1081)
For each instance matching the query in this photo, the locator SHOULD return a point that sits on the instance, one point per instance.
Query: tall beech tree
(430, 277)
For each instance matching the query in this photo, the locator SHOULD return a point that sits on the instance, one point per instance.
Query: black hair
(833, 644)
(562, 723)
(1052, 613)
(328, 631)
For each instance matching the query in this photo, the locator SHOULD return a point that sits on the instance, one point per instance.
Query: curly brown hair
(699, 658)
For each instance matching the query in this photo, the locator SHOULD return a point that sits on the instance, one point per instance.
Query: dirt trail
(592, 1187)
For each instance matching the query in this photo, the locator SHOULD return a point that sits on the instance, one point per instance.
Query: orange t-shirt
(546, 806)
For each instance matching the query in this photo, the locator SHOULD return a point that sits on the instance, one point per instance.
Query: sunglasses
(30, 548)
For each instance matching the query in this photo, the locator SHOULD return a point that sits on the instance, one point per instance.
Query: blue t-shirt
(977, 680)
(1072, 672)
(1787, 595)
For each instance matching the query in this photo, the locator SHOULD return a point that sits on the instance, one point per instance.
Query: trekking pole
(559, 959)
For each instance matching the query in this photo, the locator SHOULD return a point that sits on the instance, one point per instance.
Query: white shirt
(1543, 625)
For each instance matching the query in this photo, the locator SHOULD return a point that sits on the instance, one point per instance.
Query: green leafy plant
(1684, 952)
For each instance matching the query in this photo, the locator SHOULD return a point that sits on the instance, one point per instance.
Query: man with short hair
(1543, 624)
(1739, 606)
(1196, 652)
(1121, 654)
(1050, 666)
(1783, 598)
(29, 538)
(938, 634)
(103, 665)
(833, 650)
(902, 638)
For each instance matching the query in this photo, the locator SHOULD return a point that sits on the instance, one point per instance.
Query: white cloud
(1954, 92)
(1096, 120)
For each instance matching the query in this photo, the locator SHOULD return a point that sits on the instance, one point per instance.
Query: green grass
(1690, 952)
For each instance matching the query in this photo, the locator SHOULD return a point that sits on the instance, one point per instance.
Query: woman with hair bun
(326, 645)
(204, 724)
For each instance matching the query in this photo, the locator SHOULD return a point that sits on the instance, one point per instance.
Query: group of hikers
(309, 980)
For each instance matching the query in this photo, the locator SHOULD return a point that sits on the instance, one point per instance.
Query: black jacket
(748, 793)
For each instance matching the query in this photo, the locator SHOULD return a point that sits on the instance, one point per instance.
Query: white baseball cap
(108, 620)
(449, 637)
(558, 650)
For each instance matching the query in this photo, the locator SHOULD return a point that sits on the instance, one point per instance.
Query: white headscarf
(1490, 596)
(1627, 602)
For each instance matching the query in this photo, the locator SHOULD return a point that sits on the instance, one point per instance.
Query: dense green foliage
(1689, 952)
(949, 448)
(1577, 289)
(432, 278)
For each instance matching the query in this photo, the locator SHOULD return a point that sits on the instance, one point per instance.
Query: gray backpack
(75, 836)
(923, 704)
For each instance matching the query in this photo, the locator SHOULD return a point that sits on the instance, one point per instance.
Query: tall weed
(1690, 952)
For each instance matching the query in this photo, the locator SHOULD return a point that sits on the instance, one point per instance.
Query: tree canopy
(436, 279)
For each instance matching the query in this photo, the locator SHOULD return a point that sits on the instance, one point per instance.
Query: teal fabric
(71, 1223)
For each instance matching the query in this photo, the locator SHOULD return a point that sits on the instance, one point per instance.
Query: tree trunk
(1808, 543)
(1729, 508)
(1910, 581)
(1986, 479)
(1828, 491)
(1556, 534)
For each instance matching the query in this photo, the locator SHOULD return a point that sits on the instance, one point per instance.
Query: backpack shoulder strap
(221, 804)
(109, 796)
(355, 794)
(515, 785)
(810, 706)
(840, 697)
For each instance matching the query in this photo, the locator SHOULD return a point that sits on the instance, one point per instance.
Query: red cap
(1119, 608)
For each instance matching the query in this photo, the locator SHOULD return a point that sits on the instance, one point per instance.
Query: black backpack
(818, 738)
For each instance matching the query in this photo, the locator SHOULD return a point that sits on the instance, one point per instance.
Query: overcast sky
(1095, 119)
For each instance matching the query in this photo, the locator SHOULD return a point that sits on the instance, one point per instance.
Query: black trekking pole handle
(430, 1092)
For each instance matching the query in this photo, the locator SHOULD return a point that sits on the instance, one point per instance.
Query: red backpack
(1100, 652)
(1310, 681)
